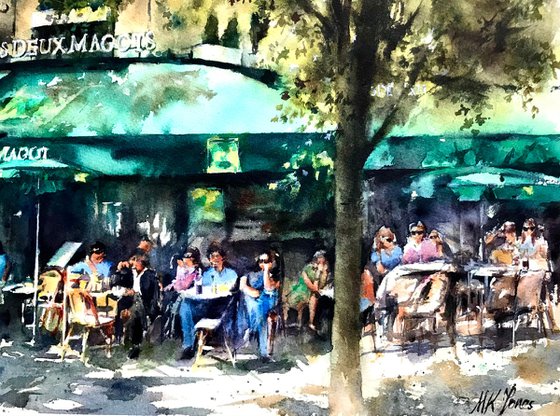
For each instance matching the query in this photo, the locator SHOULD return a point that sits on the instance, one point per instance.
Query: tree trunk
(345, 395)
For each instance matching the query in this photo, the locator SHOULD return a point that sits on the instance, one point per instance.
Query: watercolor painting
(279, 207)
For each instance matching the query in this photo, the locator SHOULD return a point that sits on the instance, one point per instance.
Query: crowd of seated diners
(145, 310)
(387, 296)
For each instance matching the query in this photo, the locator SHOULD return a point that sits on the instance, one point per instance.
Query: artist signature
(499, 401)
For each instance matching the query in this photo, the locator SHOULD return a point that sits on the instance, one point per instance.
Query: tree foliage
(463, 53)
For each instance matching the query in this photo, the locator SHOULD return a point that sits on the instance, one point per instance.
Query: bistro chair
(50, 301)
(500, 303)
(213, 328)
(83, 317)
(425, 306)
(469, 301)
(529, 302)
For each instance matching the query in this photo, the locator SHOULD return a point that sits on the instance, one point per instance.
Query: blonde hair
(383, 232)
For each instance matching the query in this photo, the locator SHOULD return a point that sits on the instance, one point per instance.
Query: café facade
(184, 146)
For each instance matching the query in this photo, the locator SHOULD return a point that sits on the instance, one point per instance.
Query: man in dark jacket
(137, 286)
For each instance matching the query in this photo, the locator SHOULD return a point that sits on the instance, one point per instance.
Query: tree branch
(399, 32)
(341, 11)
(325, 24)
(388, 121)
(446, 80)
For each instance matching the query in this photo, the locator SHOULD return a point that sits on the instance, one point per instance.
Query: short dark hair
(141, 256)
(97, 248)
(146, 238)
(214, 248)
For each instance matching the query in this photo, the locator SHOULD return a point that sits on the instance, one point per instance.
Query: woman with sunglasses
(418, 249)
(533, 248)
(385, 256)
(439, 248)
(260, 296)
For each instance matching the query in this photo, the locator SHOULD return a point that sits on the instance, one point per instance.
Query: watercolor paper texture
(290, 207)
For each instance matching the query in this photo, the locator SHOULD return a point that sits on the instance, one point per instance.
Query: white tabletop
(206, 294)
(19, 289)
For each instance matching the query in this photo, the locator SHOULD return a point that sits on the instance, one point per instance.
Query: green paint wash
(206, 205)
(223, 155)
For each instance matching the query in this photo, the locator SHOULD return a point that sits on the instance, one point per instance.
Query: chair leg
(231, 353)
(542, 323)
(272, 323)
(85, 338)
(110, 338)
(514, 330)
(201, 340)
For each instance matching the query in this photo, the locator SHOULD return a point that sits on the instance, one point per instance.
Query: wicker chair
(83, 317)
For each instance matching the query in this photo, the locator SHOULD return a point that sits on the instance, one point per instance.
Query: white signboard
(8, 153)
(88, 43)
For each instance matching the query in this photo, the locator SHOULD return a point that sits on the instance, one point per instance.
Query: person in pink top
(188, 271)
(418, 249)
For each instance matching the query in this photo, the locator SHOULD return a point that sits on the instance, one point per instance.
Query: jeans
(193, 310)
(258, 309)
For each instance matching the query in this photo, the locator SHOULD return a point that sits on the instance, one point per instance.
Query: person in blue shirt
(385, 256)
(5, 265)
(217, 279)
(260, 296)
(95, 265)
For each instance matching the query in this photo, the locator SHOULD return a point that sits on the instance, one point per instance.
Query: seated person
(188, 271)
(385, 256)
(441, 250)
(306, 291)
(5, 265)
(418, 249)
(137, 287)
(95, 266)
(503, 245)
(260, 295)
(533, 247)
(218, 278)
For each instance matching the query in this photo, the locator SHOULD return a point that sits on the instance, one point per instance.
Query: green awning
(539, 153)
(173, 155)
(472, 183)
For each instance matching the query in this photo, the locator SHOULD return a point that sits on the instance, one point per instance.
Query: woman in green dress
(306, 291)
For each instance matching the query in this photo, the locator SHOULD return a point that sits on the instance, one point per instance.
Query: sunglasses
(529, 228)
(261, 261)
(416, 232)
(387, 239)
(433, 237)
